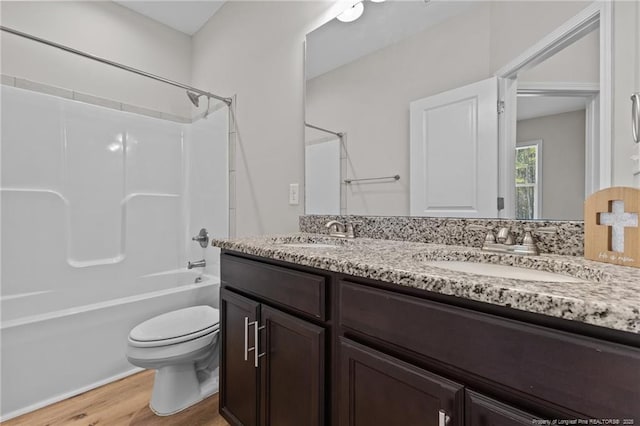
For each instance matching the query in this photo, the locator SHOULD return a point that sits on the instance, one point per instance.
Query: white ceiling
(337, 43)
(541, 106)
(185, 16)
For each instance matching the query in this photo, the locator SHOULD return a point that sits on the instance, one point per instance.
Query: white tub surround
(98, 209)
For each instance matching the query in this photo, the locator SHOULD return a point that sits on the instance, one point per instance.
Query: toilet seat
(176, 327)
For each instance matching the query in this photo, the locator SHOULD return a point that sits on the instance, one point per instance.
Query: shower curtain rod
(338, 134)
(114, 64)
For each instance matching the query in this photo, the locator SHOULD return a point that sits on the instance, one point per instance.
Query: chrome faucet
(336, 229)
(504, 242)
(340, 230)
(197, 264)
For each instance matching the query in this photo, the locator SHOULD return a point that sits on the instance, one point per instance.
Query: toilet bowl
(182, 346)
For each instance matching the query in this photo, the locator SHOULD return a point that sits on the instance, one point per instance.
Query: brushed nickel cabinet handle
(254, 348)
(443, 419)
(246, 338)
(257, 353)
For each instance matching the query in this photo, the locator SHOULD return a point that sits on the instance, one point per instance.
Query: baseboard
(68, 395)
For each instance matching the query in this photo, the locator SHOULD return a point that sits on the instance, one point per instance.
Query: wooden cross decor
(612, 226)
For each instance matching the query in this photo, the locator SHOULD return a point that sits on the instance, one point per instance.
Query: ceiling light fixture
(377, 1)
(352, 13)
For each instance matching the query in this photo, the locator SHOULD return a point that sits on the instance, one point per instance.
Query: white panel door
(454, 152)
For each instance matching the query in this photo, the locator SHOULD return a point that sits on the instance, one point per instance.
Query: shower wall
(89, 188)
(98, 209)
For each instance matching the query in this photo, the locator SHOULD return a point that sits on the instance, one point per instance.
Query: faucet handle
(528, 239)
(529, 232)
(202, 238)
(529, 242)
(350, 228)
(490, 238)
(509, 241)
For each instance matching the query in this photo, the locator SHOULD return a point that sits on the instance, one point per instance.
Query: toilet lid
(171, 325)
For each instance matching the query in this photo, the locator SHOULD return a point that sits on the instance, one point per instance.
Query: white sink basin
(310, 245)
(503, 271)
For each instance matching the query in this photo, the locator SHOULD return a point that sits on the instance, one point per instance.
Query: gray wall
(255, 50)
(563, 162)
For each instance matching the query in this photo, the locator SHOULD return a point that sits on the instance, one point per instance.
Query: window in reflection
(527, 180)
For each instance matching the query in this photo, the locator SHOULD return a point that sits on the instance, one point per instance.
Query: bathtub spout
(197, 264)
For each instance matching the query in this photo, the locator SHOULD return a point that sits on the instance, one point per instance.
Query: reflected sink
(503, 271)
(310, 245)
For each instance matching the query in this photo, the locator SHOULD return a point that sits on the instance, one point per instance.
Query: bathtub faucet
(197, 264)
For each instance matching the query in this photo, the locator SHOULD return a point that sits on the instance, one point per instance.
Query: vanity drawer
(300, 291)
(596, 378)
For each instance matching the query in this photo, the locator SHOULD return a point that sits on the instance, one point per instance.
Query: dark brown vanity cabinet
(377, 389)
(238, 375)
(341, 350)
(483, 411)
(272, 362)
(293, 371)
(547, 373)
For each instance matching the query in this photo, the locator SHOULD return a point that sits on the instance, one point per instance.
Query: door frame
(591, 94)
(598, 14)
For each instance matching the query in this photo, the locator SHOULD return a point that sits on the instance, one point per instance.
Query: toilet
(182, 346)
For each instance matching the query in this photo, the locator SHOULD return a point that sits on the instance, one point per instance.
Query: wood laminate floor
(125, 402)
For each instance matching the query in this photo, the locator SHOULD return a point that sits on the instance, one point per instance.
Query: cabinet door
(377, 389)
(238, 377)
(292, 370)
(483, 411)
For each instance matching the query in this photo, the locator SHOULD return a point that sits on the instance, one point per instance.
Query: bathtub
(55, 345)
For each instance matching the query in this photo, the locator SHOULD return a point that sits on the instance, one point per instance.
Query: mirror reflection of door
(453, 152)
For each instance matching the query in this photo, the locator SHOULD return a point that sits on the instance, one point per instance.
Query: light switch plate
(294, 194)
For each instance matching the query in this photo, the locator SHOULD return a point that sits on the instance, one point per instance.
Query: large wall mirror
(461, 109)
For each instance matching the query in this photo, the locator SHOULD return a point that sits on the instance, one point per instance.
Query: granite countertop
(608, 296)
